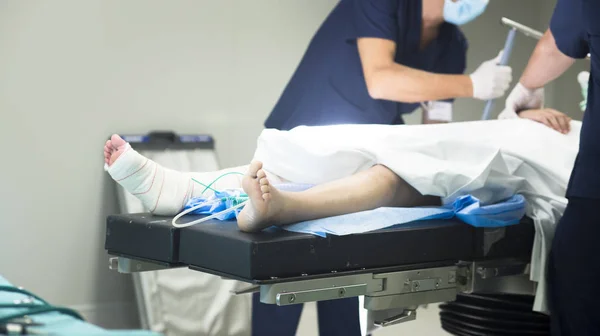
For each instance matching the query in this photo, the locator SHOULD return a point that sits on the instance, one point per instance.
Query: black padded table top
(218, 247)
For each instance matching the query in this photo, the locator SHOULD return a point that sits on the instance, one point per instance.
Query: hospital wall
(73, 72)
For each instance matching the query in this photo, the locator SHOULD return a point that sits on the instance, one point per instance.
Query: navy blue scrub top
(328, 86)
(576, 28)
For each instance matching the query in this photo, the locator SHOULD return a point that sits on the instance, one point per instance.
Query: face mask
(463, 11)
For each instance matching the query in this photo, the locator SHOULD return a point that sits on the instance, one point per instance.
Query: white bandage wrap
(162, 191)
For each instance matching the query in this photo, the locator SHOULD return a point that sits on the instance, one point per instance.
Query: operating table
(395, 269)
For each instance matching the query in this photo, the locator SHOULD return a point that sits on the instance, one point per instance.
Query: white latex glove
(491, 80)
(522, 98)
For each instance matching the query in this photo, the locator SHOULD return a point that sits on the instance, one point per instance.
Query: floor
(427, 323)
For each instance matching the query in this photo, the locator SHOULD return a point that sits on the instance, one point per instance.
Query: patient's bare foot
(113, 149)
(266, 203)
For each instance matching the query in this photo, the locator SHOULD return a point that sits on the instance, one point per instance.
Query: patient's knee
(400, 193)
(385, 180)
(385, 174)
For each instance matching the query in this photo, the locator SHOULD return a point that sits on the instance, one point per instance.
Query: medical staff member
(574, 263)
(371, 62)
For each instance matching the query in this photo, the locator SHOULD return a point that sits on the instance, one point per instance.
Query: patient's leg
(367, 190)
(162, 191)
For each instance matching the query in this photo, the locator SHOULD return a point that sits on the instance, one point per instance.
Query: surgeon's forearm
(546, 63)
(399, 83)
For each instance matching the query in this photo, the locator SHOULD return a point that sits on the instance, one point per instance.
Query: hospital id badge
(439, 111)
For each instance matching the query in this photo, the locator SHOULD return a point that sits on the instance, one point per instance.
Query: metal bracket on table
(295, 292)
(126, 265)
(391, 297)
(405, 315)
(413, 288)
(511, 276)
(381, 290)
(321, 294)
(245, 290)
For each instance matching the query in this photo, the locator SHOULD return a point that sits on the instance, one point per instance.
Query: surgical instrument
(508, 45)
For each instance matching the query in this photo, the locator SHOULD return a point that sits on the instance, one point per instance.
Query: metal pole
(522, 28)
(508, 45)
(525, 30)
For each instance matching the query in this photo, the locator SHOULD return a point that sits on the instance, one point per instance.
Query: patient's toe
(114, 148)
(255, 167)
(260, 174)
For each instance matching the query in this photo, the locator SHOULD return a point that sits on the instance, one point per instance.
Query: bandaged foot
(162, 191)
(266, 204)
